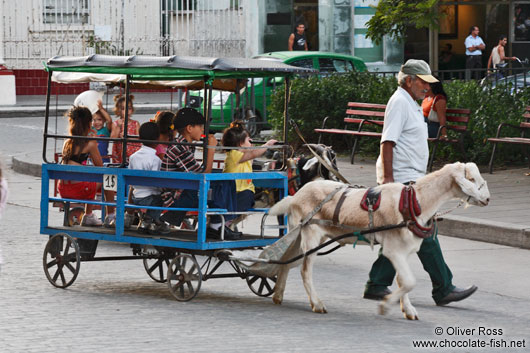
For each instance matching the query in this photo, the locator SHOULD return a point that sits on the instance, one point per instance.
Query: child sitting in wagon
(146, 159)
(240, 161)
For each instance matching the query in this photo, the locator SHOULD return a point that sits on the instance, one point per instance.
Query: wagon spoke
(253, 279)
(267, 284)
(152, 268)
(181, 288)
(160, 269)
(261, 285)
(70, 267)
(51, 263)
(192, 269)
(190, 287)
(67, 248)
(183, 264)
(62, 277)
(56, 275)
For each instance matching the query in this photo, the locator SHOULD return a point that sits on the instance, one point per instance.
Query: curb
(27, 168)
(39, 111)
(486, 231)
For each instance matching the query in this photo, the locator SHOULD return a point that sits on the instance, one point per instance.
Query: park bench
(521, 140)
(367, 114)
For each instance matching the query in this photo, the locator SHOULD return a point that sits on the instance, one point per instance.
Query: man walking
(474, 47)
(297, 40)
(497, 58)
(403, 159)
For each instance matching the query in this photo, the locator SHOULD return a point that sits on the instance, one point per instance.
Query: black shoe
(229, 234)
(456, 295)
(378, 295)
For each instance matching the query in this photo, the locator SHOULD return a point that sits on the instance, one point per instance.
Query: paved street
(115, 306)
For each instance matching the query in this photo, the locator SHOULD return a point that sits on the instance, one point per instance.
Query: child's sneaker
(146, 224)
(110, 221)
(128, 220)
(161, 228)
(90, 220)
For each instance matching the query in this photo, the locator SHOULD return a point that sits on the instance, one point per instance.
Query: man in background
(297, 40)
(474, 47)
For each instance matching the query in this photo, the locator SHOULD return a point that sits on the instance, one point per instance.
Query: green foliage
(107, 48)
(392, 18)
(314, 98)
(489, 107)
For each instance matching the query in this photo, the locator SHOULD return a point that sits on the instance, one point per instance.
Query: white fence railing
(36, 30)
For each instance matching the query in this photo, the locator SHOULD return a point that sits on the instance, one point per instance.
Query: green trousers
(382, 273)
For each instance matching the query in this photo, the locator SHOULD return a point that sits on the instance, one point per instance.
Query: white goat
(456, 180)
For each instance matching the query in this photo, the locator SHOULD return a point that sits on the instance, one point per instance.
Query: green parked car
(255, 98)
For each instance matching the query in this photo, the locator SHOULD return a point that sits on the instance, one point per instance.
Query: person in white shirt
(146, 159)
(403, 159)
(497, 58)
(474, 47)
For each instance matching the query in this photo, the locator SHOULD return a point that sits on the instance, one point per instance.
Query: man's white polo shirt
(405, 126)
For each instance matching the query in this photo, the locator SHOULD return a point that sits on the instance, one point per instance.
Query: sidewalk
(35, 105)
(505, 221)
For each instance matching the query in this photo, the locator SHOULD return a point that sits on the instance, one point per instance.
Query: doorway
(306, 12)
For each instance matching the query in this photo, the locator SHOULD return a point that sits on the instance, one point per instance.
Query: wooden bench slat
(358, 121)
(349, 132)
(365, 112)
(366, 105)
(458, 111)
(525, 125)
(516, 140)
(457, 119)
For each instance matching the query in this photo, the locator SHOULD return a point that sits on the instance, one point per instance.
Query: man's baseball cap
(188, 116)
(419, 68)
(89, 99)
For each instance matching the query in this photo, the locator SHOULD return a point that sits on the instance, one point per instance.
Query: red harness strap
(410, 209)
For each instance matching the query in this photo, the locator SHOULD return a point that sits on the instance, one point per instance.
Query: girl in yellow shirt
(240, 161)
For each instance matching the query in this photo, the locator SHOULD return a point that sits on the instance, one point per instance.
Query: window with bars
(66, 11)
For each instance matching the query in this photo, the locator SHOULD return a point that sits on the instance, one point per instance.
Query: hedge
(314, 98)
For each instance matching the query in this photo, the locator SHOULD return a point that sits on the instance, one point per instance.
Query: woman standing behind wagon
(133, 128)
(434, 110)
(75, 152)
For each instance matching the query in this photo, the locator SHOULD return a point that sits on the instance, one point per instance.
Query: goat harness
(410, 208)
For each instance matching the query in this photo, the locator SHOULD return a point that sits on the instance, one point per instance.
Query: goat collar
(410, 208)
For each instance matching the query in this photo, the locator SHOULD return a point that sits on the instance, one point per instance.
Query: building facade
(35, 30)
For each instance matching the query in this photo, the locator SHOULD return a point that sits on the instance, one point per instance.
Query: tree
(392, 17)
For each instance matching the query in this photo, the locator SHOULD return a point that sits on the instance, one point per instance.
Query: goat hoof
(320, 308)
(276, 301)
(383, 309)
(410, 313)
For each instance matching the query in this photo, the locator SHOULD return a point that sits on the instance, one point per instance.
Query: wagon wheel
(261, 286)
(157, 268)
(61, 260)
(184, 277)
(75, 215)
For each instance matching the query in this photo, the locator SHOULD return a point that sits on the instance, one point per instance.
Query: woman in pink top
(133, 128)
(164, 120)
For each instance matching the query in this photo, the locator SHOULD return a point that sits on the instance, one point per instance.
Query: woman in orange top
(435, 101)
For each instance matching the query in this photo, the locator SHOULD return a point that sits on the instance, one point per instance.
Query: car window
(305, 63)
(334, 65)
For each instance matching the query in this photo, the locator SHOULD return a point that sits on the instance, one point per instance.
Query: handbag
(433, 116)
